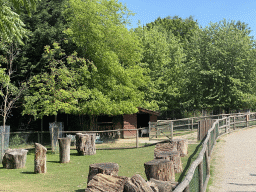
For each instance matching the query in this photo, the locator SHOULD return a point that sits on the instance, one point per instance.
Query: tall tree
(163, 55)
(221, 68)
(111, 85)
(11, 26)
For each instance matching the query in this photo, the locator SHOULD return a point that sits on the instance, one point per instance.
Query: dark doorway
(142, 120)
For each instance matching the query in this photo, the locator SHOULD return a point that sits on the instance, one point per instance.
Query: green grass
(73, 176)
(193, 152)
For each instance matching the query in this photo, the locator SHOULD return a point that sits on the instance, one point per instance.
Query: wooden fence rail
(198, 174)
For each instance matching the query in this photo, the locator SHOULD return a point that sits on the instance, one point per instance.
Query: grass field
(73, 176)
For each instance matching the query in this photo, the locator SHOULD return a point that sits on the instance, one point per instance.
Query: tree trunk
(64, 144)
(137, 184)
(173, 156)
(160, 169)
(106, 183)
(85, 144)
(40, 158)
(164, 186)
(104, 168)
(15, 158)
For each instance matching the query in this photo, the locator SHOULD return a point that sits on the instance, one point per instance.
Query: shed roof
(149, 111)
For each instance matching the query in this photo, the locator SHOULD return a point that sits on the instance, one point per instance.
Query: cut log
(180, 145)
(164, 186)
(136, 184)
(165, 147)
(160, 169)
(64, 146)
(104, 168)
(14, 158)
(153, 186)
(106, 183)
(173, 156)
(129, 186)
(40, 158)
(85, 144)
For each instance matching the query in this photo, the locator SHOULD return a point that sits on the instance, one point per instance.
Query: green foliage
(183, 29)
(11, 26)
(221, 68)
(162, 56)
(71, 86)
(17, 141)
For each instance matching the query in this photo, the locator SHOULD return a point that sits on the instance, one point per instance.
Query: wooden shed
(138, 120)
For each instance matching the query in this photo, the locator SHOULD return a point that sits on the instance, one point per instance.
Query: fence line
(198, 175)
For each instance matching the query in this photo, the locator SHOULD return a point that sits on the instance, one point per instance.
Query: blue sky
(204, 11)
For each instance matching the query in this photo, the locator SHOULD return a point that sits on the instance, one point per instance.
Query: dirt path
(234, 162)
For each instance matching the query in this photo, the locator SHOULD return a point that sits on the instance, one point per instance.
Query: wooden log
(173, 156)
(160, 169)
(137, 184)
(165, 147)
(40, 158)
(180, 145)
(106, 183)
(153, 186)
(85, 144)
(164, 186)
(64, 146)
(104, 168)
(14, 158)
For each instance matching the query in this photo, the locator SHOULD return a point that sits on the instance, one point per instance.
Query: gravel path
(234, 162)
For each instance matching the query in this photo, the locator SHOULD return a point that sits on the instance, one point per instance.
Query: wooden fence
(198, 174)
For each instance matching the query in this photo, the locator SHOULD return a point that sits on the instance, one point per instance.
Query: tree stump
(160, 147)
(180, 145)
(160, 169)
(85, 144)
(173, 156)
(40, 158)
(164, 186)
(104, 168)
(14, 158)
(64, 145)
(136, 184)
(106, 183)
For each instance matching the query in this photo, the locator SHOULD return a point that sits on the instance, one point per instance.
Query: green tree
(98, 28)
(11, 26)
(163, 56)
(221, 68)
(69, 87)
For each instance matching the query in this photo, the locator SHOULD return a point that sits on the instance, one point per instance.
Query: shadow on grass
(192, 156)
(26, 172)
(53, 161)
(78, 190)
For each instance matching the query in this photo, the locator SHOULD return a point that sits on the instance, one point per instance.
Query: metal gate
(160, 130)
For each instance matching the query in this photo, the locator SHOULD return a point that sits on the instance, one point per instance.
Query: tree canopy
(11, 26)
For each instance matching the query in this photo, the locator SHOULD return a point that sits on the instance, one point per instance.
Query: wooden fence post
(172, 130)
(247, 120)
(234, 125)
(201, 179)
(192, 124)
(137, 138)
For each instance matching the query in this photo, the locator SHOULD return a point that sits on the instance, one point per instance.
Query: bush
(17, 141)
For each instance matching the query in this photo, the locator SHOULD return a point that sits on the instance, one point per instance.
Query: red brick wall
(130, 122)
(153, 118)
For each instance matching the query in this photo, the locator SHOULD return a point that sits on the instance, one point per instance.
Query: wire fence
(107, 139)
(197, 177)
